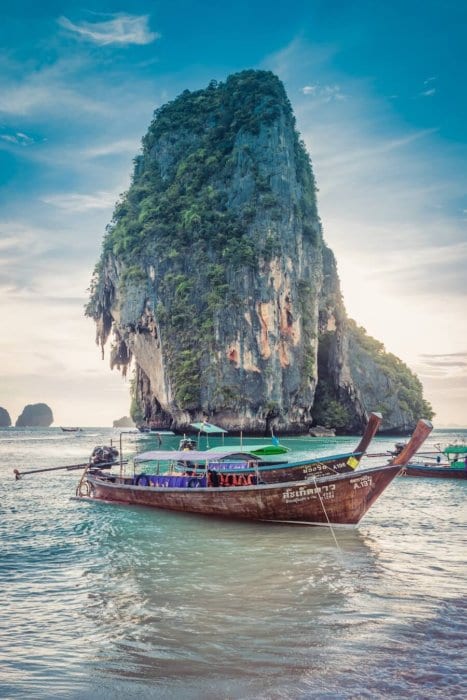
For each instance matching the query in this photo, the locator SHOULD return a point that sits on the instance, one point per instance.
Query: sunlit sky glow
(378, 92)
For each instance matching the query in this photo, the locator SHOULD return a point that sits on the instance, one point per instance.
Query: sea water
(109, 601)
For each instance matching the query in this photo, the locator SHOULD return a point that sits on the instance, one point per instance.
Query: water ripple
(104, 600)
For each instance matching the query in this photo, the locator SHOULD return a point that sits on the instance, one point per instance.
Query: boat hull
(337, 464)
(341, 499)
(433, 472)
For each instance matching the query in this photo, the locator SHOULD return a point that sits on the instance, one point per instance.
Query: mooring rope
(326, 514)
(82, 481)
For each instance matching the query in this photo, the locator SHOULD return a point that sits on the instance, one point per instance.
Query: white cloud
(43, 92)
(51, 263)
(75, 202)
(19, 139)
(16, 238)
(353, 150)
(66, 86)
(311, 60)
(111, 148)
(121, 30)
(325, 93)
(430, 89)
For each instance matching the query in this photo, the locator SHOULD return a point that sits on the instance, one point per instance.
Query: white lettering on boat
(307, 493)
(320, 466)
(362, 482)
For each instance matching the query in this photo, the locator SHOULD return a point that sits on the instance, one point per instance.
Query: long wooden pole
(69, 467)
(391, 454)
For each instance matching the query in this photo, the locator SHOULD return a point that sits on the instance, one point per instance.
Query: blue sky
(378, 91)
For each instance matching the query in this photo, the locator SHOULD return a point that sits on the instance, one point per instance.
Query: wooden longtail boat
(434, 471)
(341, 499)
(454, 468)
(337, 499)
(293, 471)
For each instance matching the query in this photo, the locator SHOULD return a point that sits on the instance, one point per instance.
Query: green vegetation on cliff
(402, 383)
(178, 218)
(215, 278)
(384, 382)
(184, 202)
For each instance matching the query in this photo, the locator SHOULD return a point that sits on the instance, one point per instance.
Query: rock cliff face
(35, 415)
(215, 279)
(5, 420)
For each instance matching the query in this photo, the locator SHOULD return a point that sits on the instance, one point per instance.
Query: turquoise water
(103, 601)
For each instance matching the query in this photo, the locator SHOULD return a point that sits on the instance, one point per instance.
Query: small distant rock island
(5, 420)
(124, 422)
(36, 415)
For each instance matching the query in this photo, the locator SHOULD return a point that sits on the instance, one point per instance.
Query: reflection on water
(104, 600)
(221, 603)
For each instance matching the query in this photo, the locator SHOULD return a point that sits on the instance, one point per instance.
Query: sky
(378, 90)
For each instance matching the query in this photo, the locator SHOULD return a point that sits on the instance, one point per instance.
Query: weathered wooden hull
(433, 472)
(322, 466)
(341, 499)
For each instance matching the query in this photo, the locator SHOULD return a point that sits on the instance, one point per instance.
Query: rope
(326, 514)
(82, 481)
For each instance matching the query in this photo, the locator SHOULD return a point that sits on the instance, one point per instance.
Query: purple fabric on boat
(230, 466)
(165, 481)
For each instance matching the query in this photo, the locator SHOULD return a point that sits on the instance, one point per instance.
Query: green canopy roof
(258, 450)
(455, 449)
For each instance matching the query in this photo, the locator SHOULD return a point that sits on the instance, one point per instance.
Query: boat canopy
(258, 450)
(207, 428)
(455, 449)
(273, 449)
(182, 456)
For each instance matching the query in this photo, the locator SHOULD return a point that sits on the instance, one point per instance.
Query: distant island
(36, 415)
(5, 420)
(124, 422)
